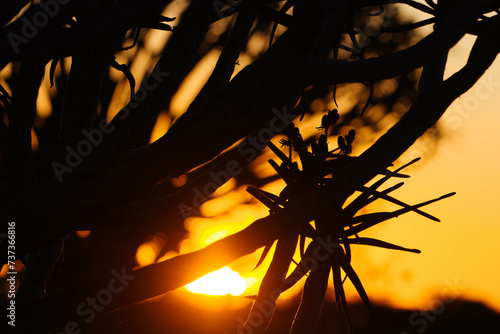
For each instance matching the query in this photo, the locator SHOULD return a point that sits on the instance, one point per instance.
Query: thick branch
(429, 107)
(433, 72)
(185, 268)
(135, 120)
(225, 65)
(453, 28)
(235, 113)
(54, 311)
(160, 210)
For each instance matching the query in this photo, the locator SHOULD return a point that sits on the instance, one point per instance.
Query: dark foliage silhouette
(95, 169)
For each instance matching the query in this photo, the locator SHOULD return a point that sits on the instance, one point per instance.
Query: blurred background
(451, 286)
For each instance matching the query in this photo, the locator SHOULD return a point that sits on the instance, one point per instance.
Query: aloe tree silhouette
(115, 179)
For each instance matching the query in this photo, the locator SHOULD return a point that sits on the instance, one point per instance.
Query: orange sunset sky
(458, 256)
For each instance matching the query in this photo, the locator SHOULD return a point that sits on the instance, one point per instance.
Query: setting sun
(250, 167)
(221, 282)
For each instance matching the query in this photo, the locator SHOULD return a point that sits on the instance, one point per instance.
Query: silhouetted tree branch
(124, 183)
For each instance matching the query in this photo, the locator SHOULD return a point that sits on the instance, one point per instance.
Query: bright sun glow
(221, 282)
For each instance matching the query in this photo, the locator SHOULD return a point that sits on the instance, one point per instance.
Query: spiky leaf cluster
(334, 229)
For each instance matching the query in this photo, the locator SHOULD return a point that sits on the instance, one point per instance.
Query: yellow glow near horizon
(219, 283)
(457, 252)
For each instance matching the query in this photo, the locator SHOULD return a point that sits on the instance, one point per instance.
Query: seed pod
(333, 117)
(325, 122)
(342, 143)
(350, 136)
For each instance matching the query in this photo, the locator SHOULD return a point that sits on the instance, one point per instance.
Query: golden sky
(458, 258)
(458, 254)
(463, 247)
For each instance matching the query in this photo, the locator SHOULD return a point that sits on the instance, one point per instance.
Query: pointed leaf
(377, 243)
(385, 191)
(394, 174)
(376, 218)
(337, 285)
(279, 153)
(362, 201)
(263, 256)
(347, 250)
(281, 172)
(271, 196)
(356, 205)
(299, 271)
(398, 202)
(353, 277)
(341, 301)
(261, 196)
